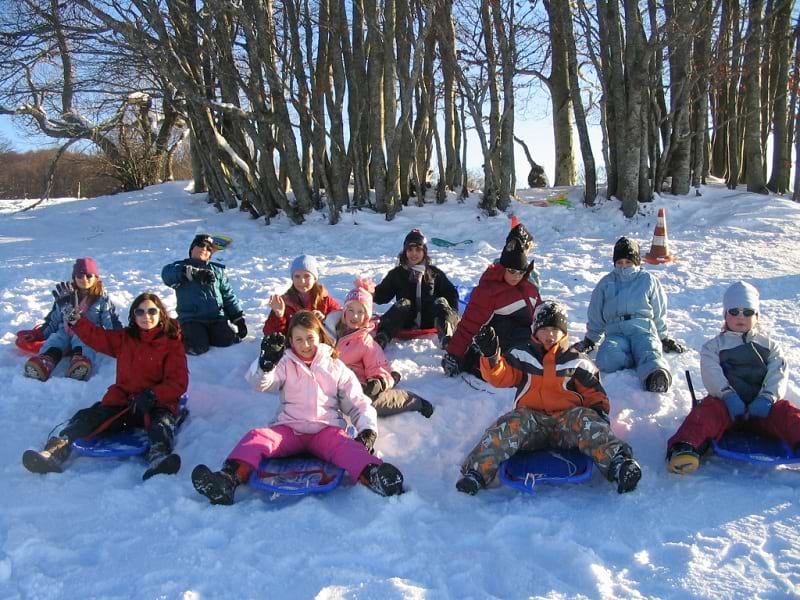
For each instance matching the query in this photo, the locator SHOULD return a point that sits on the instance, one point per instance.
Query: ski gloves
(368, 437)
(141, 404)
(486, 341)
(584, 346)
(451, 365)
(671, 345)
(241, 326)
(64, 293)
(272, 347)
(373, 387)
(759, 407)
(201, 275)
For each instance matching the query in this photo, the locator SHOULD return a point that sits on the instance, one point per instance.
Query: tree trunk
(561, 100)
(752, 101)
(781, 45)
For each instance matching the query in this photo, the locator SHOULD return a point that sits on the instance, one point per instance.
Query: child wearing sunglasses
(85, 292)
(746, 376)
(151, 377)
(206, 300)
(629, 308)
(424, 296)
(504, 298)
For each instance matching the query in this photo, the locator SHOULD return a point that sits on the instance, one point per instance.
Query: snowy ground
(98, 531)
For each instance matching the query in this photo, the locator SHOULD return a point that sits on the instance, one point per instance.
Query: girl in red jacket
(151, 377)
(306, 293)
(504, 298)
(353, 327)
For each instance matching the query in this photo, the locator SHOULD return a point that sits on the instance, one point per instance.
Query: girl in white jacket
(317, 390)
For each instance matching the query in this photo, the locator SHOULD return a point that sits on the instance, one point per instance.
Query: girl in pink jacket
(357, 349)
(317, 390)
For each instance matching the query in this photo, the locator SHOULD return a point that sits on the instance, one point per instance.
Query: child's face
(202, 252)
(624, 263)
(548, 336)
(303, 281)
(84, 281)
(513, 276)
(415, 254)
(304, 342)
(355, 315)
(740, 322)
(147, 315)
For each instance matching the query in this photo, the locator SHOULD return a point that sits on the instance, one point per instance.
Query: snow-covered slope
(98, 531)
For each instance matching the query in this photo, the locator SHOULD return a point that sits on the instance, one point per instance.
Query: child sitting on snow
(305, 293)
(629, 306)
(425, 297)
(746, 375)
(206, 300)
(359, 351)
(151, 377)
(504, 298)
(559, 403)
(60, 339)
(317, 389)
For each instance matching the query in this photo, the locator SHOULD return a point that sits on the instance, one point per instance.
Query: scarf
(415, 273)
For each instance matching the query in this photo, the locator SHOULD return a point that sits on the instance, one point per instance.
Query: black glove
(451, 365)
(368, 437)
(64, 293)
(241, 326)
(585, 346)
(201, 275)
(141, 404)
(71, 314)
(671, 345)
(271, 350)
(373, 387)
(486, 341)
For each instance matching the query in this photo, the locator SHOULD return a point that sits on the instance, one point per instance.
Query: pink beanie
(85, 266)
(361, 294)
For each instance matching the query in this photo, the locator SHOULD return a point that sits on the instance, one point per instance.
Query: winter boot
(39, 367)
(397, 377)
(217, 486)
(425, 408)
(161, 461)
(382, 339)
(471, 483)
(626, 472)
(683, 459)
(383, 479)
(80, 367)
(48, 460)
(444, 331)
(657, 381)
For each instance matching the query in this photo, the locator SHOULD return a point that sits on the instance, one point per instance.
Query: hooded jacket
(317, 395)
(198, 302)
(153, 361)
(360, 352)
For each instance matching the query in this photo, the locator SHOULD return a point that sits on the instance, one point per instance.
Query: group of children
(328, 363)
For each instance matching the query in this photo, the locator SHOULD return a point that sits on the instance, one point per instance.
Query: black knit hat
(550, 314)
(627, 248)
(515, 253)
(199, 240)
(415, 238)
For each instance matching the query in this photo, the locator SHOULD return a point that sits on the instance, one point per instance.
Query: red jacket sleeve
(176, 377)
(102, 340)
(478, 312)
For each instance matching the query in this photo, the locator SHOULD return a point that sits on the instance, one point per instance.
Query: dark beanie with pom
(550, 314)
(515, 253)
(627, 248)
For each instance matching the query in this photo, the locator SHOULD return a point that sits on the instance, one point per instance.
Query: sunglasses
(515, 271)
(747, 312)
(140, 312)
(84, 276)
(208, 247)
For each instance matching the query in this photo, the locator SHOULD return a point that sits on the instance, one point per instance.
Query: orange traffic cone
(514, 221)
(659, 250)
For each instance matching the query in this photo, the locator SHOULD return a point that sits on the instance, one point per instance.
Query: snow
(97, 531)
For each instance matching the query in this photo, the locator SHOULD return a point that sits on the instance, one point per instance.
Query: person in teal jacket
(206, 300)
(629, 307)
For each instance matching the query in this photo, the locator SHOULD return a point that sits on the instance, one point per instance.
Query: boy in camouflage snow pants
(559, 403)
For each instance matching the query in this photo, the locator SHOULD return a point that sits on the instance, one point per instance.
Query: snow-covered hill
(98, 531)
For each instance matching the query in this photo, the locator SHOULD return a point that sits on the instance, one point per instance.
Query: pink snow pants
(331, 444)
(710, 420)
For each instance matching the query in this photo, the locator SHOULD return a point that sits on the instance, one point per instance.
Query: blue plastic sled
(464, 294)
(296, 476)
(754, 449)
(133, 442)
(553, 465)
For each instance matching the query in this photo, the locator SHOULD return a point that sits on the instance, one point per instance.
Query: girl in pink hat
(86, 292)
(352, 329)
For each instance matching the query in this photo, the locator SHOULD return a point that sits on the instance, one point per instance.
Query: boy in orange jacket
(559, 403)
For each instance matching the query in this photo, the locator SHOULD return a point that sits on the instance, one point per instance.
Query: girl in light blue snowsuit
(60, 340)
(629, 306)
